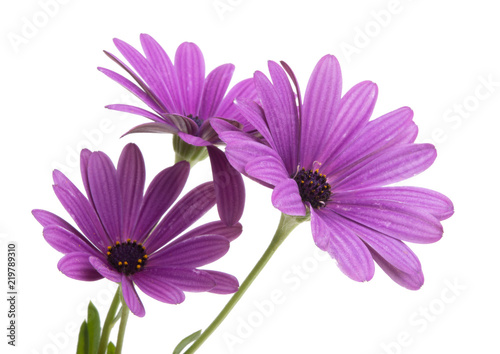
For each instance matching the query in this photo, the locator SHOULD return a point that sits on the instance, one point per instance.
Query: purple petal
(286, 198)
(133, 88)
(76, 265)
(227, 109)
(268, 169)
(131, 177)
(184, 124)
(153, 128)
(46, 218)
(158, 287)
(213, 228)
(185, 279)
(283, 126)
(353, 257)
(221, 125)
(389, 166)
(427, 200)
(411, 281)
(147, 72)
(160, 106)
(84, 162)
(287, 96)
(206, 132)
(105, 190)
(190, 68)
(393, 251)
(214, 89)
(105, 270)
(355, 110)
(161, 193)
(182, 215)
(136, 110)
(193, 140)
(229, 187)
(391, 129)
(321, 103)
(131, 298)
(225, 283)
(66, 241)
(82, 213)
(255, 115)
(192, 253)
(295, 82)
(391, 218)
(164, 67)
(242, 148)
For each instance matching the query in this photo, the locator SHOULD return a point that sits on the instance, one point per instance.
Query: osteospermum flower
(181, 102)
(122, 237)
(325, 157)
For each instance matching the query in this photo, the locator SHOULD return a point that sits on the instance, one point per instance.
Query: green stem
(286, 225)
(109, 322)
(123, 326)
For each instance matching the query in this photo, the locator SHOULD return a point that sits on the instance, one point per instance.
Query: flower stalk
(109, 322)
(123, 325)
(287, 224)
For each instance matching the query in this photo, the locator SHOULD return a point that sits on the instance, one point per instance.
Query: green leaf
(111, 348)
(94, 328)
(186, 341)
(83, 340)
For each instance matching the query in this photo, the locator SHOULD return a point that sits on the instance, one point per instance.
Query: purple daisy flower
(122, 237)
(181, 102)
(326, 158)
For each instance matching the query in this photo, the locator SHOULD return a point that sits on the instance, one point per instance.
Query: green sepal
(187, 152)
(94, 328)
(111, 348)
(83, 340)
(186, 341)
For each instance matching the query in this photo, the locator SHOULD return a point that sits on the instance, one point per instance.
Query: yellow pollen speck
(316, 170)
(108, 253)
(109, 247)
(138, 266)
(143, 248)
(126, 263)
(139, 261)
(301, 181)
(120, 263)
(128, 240)
(117, 243)
(145, 256)
(311, 183)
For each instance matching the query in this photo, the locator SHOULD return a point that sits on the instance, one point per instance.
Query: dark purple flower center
(197, 120)
(127, 257)
(313, 187)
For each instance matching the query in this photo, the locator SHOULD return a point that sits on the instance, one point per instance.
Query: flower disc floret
(313, 187)
(127, 257)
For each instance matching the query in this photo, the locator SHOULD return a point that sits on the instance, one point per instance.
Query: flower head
(181, 101)
(327, 158)
(125, 239)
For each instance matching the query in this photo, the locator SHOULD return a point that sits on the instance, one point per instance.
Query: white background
(432, 56)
